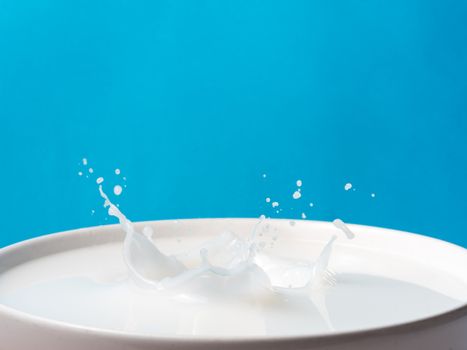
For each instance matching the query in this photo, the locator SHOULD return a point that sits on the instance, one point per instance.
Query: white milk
(232, 284)
(90, 287)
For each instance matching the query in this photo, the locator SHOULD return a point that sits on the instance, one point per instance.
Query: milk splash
(226, 256)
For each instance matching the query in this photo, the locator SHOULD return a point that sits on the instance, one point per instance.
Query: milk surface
(91, 287)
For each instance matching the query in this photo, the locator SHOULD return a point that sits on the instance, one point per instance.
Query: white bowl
(446, 330)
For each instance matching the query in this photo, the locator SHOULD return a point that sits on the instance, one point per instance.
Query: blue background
(195, 100)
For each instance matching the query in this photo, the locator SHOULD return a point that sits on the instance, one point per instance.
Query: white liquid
(296, 195)
(344, 228)
(68, 287)
(118, 190)
(228, 256)
(232, 284)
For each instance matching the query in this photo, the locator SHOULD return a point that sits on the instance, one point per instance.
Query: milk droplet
(299, 183)
(268, 200)
(99, 180)
(338, 223)
(264, 176)
(91, 170)
(296, 195)
(275, 204)
(85, 161)
(92, 212)
(311, 204)
(80, 173)
(347, 186)
(373, 195)
(118, 190)
(117, 171)
(303, 216)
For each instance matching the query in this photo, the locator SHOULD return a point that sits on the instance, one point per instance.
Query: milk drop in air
(344, 228)
(118, 190)
(348, 186)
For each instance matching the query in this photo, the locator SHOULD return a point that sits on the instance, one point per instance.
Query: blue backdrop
(195, 100)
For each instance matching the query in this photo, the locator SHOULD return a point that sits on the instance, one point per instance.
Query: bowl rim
(328, 338)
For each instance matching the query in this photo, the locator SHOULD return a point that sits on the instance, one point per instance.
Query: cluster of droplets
(88, 172)
(349, 186)
(297, 195)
